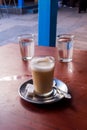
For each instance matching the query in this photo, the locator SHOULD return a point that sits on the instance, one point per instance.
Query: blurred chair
(13, 2)
(6, 6)
(82, 5)
(3, 7)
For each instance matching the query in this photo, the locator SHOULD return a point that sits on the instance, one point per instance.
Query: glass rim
(26, 35)
(66, 34)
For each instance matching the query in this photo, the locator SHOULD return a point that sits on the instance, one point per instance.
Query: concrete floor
(68, 21)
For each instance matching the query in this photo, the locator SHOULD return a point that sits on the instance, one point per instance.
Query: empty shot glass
(65, 47)
(26, 43)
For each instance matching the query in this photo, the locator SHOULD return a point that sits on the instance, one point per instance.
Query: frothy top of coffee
(42, 63)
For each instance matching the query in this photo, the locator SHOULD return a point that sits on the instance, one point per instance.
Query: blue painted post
(20, 3)
(47, 18)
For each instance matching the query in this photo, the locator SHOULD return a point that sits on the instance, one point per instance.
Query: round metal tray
(26, 92)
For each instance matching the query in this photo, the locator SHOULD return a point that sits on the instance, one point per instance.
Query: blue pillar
(47, 18)
(20, 3)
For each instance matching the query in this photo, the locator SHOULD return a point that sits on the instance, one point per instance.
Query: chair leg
(0, 13)
(14, 3)
(5, 5)
(82, 6)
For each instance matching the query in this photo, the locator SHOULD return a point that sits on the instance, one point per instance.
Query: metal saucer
(26, 92)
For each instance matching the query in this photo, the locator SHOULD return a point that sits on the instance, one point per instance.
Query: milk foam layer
(42, 63)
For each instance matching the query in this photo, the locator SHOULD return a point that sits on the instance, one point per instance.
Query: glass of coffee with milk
(42, 68)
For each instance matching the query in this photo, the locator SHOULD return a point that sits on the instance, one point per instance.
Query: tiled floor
(68, 21)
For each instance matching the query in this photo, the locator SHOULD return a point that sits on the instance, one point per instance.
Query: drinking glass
(65, 47)
(26, 43)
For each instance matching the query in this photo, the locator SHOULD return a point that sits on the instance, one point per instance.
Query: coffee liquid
(42, 72)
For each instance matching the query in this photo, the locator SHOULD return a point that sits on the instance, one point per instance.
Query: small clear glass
(26, 43)
(65, 47)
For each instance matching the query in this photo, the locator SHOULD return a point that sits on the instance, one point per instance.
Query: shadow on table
(59, 106)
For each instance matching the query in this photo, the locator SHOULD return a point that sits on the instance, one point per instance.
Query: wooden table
(17, 114)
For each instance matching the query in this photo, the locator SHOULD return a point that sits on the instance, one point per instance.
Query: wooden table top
(17, 114)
